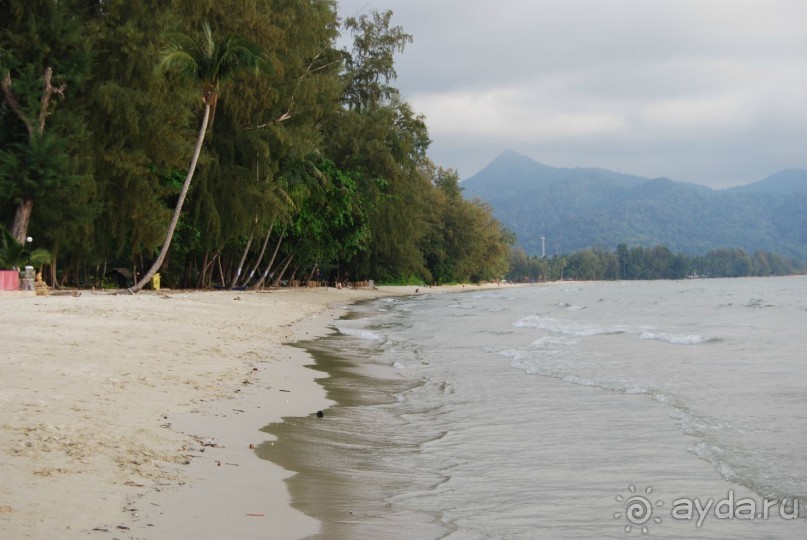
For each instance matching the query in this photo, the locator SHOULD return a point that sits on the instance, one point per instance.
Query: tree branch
(48, 92)
(15, 106)
(288, 114)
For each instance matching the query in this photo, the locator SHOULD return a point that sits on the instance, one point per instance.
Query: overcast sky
(706, 91)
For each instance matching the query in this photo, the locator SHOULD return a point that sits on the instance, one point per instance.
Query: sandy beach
(137, 416)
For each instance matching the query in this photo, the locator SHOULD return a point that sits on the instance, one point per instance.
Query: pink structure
(9, 280)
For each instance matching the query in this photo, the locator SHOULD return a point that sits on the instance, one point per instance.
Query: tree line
(228, 144)
(658, 262)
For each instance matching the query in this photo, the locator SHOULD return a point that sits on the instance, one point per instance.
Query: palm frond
(14, 255)
(207, 61)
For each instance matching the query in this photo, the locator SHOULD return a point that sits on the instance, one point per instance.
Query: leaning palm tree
(209, 63)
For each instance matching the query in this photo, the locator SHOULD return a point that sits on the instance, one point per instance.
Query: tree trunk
(221, 271)
(169, 235)
(200, 281)
(293, 277)
(311, 276)
(237, 275)
(53, 282)
(279, 276)
(207, 271)
(259, 259)
(259, 284)
(21, 220)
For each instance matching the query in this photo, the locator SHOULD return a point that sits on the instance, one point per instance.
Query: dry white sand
(132, 416)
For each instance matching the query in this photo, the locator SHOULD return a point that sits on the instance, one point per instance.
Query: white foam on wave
(545, 362)
(520, 363)
(635, 389)
(661, 398)
(675, 339)
(366, 335)
(515, 354)
(570, 307)
(580, 381)
(547, 341)
(399, 368)
(716, 456)
(565, 327)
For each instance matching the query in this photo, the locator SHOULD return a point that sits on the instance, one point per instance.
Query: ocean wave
(522, 361)
(547, 341)
(366, 335)
(716, 456)
(713, 435)
(515, 354)
(566, 328)
(570, 307)
(676, 339)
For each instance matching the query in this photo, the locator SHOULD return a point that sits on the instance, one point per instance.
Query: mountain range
(578, 208)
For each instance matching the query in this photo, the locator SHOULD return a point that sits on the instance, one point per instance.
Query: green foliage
(45, 58)
(333, 225)
(371, 65)
(317, 163)
(15, 255)
(404, 281)
(658, 262)
(465, 242)
(32, 168)
(210, 62)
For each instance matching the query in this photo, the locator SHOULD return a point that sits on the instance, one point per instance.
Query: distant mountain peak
(576, 208)
(511, 174)
(784, 182)
(510, 158)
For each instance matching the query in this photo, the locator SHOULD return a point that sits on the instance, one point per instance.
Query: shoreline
(126, 405)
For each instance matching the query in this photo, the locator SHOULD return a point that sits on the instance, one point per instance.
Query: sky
(712, 92)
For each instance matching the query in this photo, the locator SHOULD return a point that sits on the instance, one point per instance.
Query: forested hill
(580, 208)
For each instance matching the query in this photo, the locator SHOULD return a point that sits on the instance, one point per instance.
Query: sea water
(564, 410)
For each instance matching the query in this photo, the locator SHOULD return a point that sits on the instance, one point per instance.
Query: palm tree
(208, 63)
(15, 255)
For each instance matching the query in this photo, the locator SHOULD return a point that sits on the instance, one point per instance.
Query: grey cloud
(707, 91)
